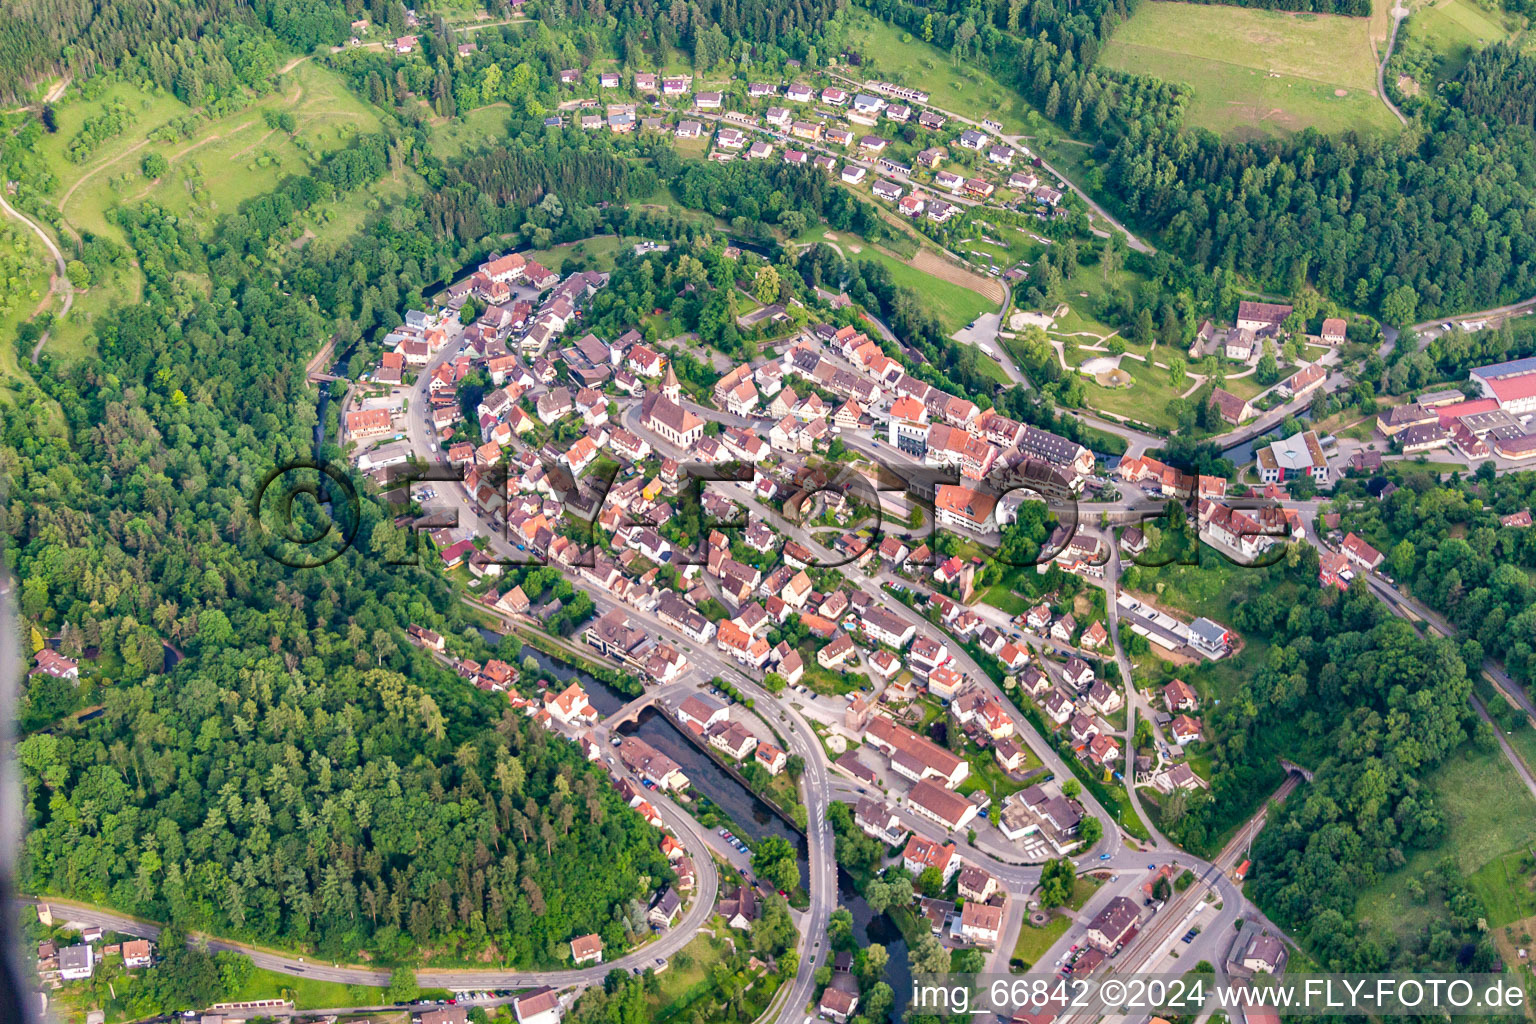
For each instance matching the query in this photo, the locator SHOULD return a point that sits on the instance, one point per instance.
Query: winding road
(670, 942)
(58, 281)
(1398, 14)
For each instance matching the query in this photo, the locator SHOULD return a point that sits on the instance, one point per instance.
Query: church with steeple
(662, 411)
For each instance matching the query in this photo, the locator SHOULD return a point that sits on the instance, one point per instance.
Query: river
(339, 368)
(1242, 453)
(754, 818)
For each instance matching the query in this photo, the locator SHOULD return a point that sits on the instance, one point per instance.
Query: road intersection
(821, 783)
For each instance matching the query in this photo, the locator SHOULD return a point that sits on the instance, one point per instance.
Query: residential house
(1113, 925)
(587, 949)
(922, 853)
(980, 923)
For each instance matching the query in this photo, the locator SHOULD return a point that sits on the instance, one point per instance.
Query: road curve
(674, 940)
(1398, 14)
(1018, 141)
(59, 280)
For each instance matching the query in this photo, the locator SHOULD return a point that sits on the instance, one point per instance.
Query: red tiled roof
(1449, 414)
(1508, 389)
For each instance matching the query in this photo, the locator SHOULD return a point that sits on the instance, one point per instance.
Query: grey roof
(668, 902)
(1207, 630)
(1116, 918)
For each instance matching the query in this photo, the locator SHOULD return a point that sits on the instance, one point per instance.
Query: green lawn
(1001, 595)
(306, 993)
(1145, 400)
(1524, 742)
(473, 129)
(987, 774)
(1488, 814)
(1034, 942)
(1082, 889)
(674, 983)
(600, 248)
(1505, 885)
(828, 681)
(150, 110)
(224, 162)
(954, 304)
(897, 55)
(1084, 291)
(1257, 73)
(1247, 388)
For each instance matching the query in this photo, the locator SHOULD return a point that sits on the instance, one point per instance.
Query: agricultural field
(1257, 73)
(1453, 29)
(955, 304)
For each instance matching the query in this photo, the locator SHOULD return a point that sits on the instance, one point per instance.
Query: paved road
(821, 785)
(1018, 142)
(1407, 608)
(1335, 381)
(687, 830)
(1147, 948)
(57, 281)
(669, 943)
(800, 738)
(1429, 330)
(963, 662)
(982, 333)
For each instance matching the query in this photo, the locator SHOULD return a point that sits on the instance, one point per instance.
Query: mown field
(1257, 73)
(1454, 29)
(954, 304)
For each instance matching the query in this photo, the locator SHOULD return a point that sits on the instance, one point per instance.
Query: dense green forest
(1437, 220)
(304, 801)
(303, 776)
(1446, 542)
(1449, 355)
(1500, 82)
(1353, 692)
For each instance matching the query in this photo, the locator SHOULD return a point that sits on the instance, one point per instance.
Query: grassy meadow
(1257, 73)
(897, 55)
(223, 162)
(1490, 822)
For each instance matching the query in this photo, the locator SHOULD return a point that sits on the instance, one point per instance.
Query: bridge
(320, 377)
(631, 712)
